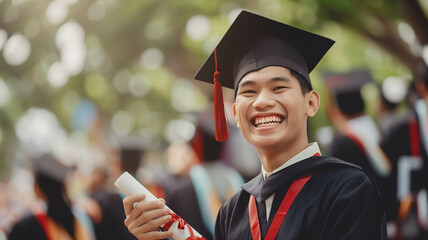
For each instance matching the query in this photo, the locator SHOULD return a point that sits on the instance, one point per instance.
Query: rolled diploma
(129, 185)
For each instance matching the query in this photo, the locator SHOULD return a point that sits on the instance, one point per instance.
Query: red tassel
(221, 133)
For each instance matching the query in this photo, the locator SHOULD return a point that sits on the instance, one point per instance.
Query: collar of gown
(309, 151)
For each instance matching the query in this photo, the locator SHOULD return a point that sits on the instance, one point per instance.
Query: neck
(271, 159)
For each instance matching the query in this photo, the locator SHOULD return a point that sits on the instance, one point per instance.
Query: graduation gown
(181, 198)
(343, 147)
(112, 226)
(28, 228)
(338, 202)
(396, 144)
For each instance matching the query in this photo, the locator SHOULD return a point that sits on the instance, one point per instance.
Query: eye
(246, 92)
(279, 88)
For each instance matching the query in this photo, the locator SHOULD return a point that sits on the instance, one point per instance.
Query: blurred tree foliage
(118, 33)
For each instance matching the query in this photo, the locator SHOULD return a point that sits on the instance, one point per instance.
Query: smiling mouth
(267, 120)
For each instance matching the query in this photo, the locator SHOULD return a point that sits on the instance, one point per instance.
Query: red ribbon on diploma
(181, 225)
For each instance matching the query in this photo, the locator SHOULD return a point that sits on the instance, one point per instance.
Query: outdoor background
(77, 76)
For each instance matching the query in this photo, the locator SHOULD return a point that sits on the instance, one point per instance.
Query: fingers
(150, 220)
(128, 202)
(146, 206)
(152, 235)
(144, 219)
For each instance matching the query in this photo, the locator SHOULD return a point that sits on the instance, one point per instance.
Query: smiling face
(271, 110)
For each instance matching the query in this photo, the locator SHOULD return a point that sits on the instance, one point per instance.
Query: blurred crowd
(47, 197)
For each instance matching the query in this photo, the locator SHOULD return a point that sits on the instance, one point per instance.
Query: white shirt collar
(312, 149)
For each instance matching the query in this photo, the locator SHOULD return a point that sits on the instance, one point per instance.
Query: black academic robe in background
(180, 196)
(343, 147)
(27, 228)
(112, 226)
(338, 202)
(396, 144)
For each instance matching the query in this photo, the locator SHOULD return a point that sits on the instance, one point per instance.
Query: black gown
(338, 202)
(396, 144)
(112, 226)
(343, 147)
(181, 198)
(28, 228)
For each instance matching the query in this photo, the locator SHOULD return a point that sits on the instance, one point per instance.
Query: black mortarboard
(346, 88)
(131, 152)
(204, 143)
(50, 167)
(254, 42)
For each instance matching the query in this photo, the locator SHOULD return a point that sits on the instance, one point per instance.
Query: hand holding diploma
(144, 219)
(145, 214)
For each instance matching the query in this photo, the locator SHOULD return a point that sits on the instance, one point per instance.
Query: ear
(235, 115)
(312, 103)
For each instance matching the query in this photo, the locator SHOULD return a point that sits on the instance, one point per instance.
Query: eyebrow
(272, 80)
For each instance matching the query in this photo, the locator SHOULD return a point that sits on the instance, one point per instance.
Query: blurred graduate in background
(359, 137)
(55, 218)
(206, 184)
(393, 92)
(104, 201)
(406, 144)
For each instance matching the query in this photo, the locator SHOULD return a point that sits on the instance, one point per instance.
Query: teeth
(267, 121)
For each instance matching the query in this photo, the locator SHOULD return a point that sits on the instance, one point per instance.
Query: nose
(264, 100)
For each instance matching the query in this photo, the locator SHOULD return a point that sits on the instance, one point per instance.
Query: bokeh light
(198, 27)
(139, 85)
(122, 123)
(394, 89)
(233, 14)
(179, 130)
(40, 131)
(186, 97)
(57, 75)
(16, 50)
(121, 81)
(406, 32)
(70, 41)
(57, 11)
(151, 59)
(425, 54)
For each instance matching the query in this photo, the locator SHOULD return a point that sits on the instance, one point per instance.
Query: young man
(299, 194)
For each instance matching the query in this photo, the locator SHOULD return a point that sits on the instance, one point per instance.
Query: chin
(266, 142)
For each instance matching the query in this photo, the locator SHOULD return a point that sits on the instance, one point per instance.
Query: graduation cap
(204, 143)
(48, 166)
(346, 89)
(131, 150)
(252, 43)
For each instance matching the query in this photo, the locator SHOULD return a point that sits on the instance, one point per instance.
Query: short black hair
(350, 103)
(304, 84)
